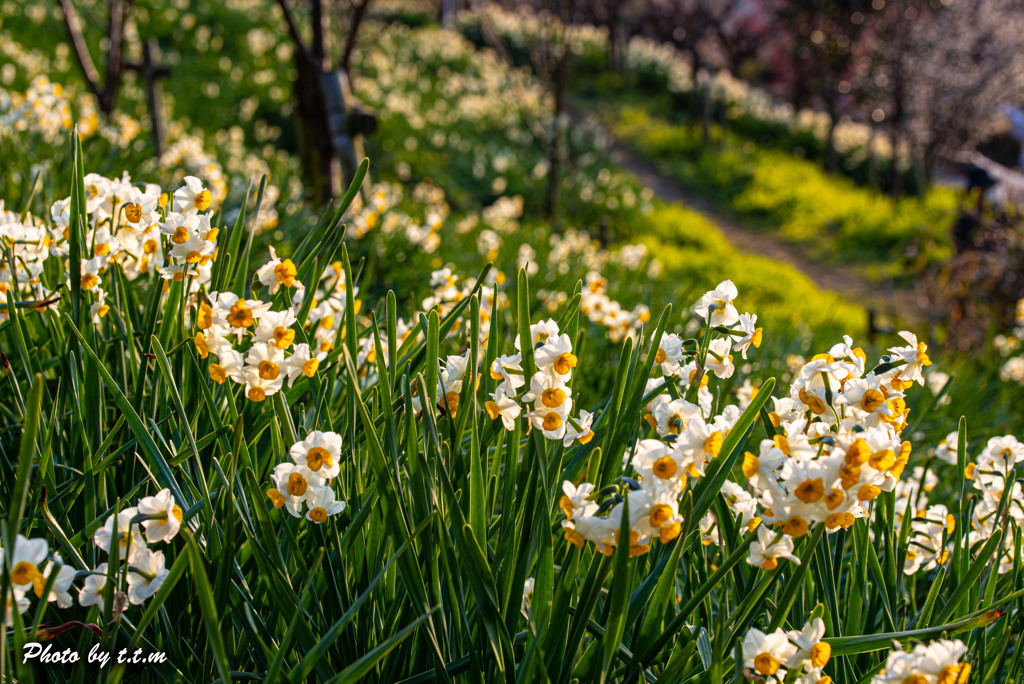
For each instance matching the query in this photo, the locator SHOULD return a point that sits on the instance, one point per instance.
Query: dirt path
(846, 281)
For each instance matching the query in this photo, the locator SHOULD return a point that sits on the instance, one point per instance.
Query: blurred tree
(697, 25)
(939, 71)
(713, 34)
(151, 71)
(104, 88)
(884, 89)
(965, 61)
(330, 123)
(975, 293)
(727, 34)
(744, 32)
(825, 37)
(615, 16)
(550, 54)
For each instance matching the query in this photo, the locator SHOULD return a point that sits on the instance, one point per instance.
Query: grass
(659, 75)
(447, 513)
(766, 172)
(832, 218)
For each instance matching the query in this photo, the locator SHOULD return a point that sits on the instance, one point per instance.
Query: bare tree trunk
(831, 154)
(319, 44)
(699, 108)
(105, 92)
(705, 109)
(558, 87)
(558, 84)
(115, 32)
(872, 159)
(923, 163)
(552, 62)
(320, 169)
(896, 188)
(358, 15)
(614, 53)
(897, 122)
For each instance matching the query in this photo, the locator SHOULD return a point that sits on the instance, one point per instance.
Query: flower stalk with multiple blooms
(35, 570)
(673, 520)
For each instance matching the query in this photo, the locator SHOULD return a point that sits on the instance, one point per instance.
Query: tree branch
(319, 46)
(358, 15)
(293, 30)
(115, 32)
(74, 28)
(494, 41)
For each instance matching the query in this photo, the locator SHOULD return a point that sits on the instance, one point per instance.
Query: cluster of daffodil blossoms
(306, 481)
(449, 289)
(931, 525)
(382, 213)
(254, 345)
(579, 247)
(568, 248)
(837, 445)
(25, 247)
(548, 399)
(545, 399)
(1012, 369)
(225, 172)
(990, 474)
(501, 219)
(156, 519)
(685, 440)
(771, 657)
(49, 110)
(601, 309)
(766, 658)
(937, 662)
(142, 229)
